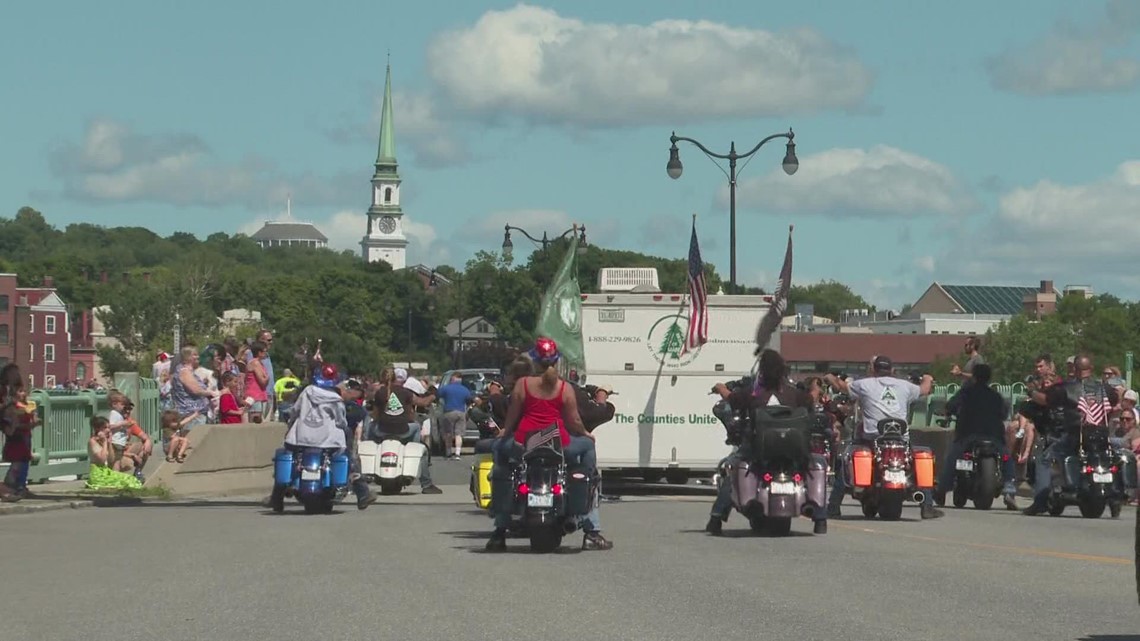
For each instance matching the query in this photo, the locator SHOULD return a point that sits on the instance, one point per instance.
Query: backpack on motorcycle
(779, 431)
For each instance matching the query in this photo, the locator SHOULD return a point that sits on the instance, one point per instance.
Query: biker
(393, 416)
(771, 388)
(1084, 401)
(351, 391)
(973, 359)
(537, 402)
(317, 419)
(880, 395)
(981, 414)
(821, 401)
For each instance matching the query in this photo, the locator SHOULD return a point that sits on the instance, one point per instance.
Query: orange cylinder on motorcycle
(923, 467)
(862, 462)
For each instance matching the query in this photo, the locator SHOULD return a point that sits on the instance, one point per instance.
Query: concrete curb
(48, 506)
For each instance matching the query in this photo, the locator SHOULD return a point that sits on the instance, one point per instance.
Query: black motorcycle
(1092, 479)
(546, 496)
(978, 474)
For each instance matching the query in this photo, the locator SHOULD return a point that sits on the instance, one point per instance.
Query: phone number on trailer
(615, 339)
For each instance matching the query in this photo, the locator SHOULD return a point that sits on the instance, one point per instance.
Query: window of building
(49, 324)
(31, 352)
(31, 323)
(81, 372)
(3, 334)
(31, 381)
(49, 381)
(387, 194)
(49, 353)
(483, 328)
(3, 303)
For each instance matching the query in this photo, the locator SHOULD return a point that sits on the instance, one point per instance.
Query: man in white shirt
(880, 395)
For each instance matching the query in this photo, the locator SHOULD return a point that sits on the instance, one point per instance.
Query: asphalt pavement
(413, 566)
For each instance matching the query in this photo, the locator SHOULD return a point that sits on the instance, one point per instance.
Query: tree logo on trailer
(666, 341)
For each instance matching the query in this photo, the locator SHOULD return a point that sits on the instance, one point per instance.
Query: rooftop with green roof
(988, 299)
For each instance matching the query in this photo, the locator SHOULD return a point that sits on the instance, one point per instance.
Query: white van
(633, 334)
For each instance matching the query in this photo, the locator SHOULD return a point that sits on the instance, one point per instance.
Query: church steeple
(386, 155)
(384, 239)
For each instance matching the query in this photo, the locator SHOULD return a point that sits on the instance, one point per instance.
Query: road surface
(413, 567)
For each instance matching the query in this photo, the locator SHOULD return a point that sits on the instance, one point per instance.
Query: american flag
(1094, 411)
(771, 321)
(698, 297)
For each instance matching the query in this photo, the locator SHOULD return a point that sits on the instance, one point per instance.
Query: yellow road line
(1056, 554)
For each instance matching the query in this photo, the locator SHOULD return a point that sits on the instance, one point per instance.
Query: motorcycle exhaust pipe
(918, 497)
(569, 526)
(808, 511)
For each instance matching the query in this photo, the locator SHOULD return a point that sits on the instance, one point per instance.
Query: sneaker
(595, 541)
(498, 541)
(1033, 510)
(364, 502)
(431, 489)
(1010, 502)
(714, 526)
(1114, 509)
(931, 512)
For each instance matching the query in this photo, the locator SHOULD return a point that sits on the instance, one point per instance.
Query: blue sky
(958, 142)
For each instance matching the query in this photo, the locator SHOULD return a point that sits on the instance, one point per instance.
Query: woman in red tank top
(537, 402)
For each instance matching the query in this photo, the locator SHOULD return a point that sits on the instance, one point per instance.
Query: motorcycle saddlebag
(862, 462)
(578, 492)
(781, 433)
(483, 480)
(923, 467)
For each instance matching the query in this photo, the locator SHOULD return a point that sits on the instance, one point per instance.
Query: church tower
(385, 239)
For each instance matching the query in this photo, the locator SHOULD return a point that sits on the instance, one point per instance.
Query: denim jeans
(1063, 447)
(948, 471)
(580, 450)
(359, 485)
(722, 506)
(839, 488)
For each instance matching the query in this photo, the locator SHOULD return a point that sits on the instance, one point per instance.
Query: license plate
(1099, 477)
(783, 487)
(964, 465)
(310, 475)
(389, 460)
(540, 500)
(894, 476)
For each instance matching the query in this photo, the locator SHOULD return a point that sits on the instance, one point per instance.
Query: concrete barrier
(224, 460)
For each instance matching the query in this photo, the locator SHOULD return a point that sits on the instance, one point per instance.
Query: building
(471, 332)
(35, 332)
(813, 352)
(289, 233)
(973, 299)
(385, 239)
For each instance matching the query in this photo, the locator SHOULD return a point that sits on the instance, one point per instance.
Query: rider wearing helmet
(537, 402)
(317, 419)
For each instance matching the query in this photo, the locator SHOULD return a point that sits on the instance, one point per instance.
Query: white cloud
(1073, 58)
(1082, 232)
(115, 164)
(925, 263)
(881, 182)
(533, 63)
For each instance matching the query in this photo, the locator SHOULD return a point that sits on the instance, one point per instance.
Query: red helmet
(545, 350)
(327, 376)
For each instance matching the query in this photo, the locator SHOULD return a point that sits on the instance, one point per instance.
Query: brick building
(850, 353)
(36, 335)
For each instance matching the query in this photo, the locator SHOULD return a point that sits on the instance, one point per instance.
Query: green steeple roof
(387, 152)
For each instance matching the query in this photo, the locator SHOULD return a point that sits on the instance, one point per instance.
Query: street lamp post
(508, 246)
(674, 168)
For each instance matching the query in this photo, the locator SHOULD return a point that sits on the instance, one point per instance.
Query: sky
(965, 143)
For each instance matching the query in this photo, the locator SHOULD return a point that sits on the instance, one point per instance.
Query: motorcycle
(544, 495)
(778, 478)
(391, 464)
(978, 474)
(312, 475)
(884, 475)
(1092, 479)
(480, 481)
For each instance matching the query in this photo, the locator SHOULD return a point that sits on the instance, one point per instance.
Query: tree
(673, 342)
(1013, 346)
(830, 298)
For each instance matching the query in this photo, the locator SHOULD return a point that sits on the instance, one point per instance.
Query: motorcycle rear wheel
(891, 505)
(960, 496)
(986, 486)
(1092, 508)
(544, 540)
(779, 527)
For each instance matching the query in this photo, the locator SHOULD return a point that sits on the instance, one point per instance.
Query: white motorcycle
(391, 464)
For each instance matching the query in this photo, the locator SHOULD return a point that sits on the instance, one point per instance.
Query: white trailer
(663, 425)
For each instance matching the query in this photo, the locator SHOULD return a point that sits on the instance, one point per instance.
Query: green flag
(560, 317)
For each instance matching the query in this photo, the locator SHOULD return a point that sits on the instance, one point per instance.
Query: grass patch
(161, 493)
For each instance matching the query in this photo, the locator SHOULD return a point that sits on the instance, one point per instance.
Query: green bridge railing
(59, 443)
(924, 413)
